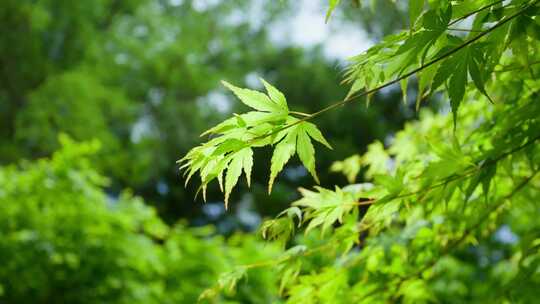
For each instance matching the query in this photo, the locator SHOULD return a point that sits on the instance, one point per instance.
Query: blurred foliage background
(140, 80)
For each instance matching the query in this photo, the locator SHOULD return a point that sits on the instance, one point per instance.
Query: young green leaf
(275, 95)
(284, 150)
(229, 152)
(333, 4)
(254, 99)
(315, 133)
(247, 164)
(234, 170)
(457, 83)
(476, 75)
(306, 153)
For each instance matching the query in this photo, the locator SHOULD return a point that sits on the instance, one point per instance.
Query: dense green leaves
(452, 197)
(60, 228)
(437, 55)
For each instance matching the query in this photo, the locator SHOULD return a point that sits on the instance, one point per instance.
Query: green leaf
(306, 153)
(444, 72)
(333, 4)
(234, 171)
(280, 229)
(415, 9)
(325, 207)
(438, 19)
(403, 84)
(247, 164)
(284, 150)
(425, 78)
(350, 167)
(393, 184)
(232, 150)
(456, 87)
(314, 133)
(254, 99)
(240, 121)
(229, 145)
(288, 276)
(228, 280)
(291, 212)
(476, 74)
(275, 95)
(228, 124)
(473, 184)
(487, 175)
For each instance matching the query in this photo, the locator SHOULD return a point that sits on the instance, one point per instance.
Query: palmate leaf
(320, 208)
(230, 152)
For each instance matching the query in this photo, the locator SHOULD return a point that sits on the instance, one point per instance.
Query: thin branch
(300, 113)
(464, 30)
(365, 203)
(475, 11)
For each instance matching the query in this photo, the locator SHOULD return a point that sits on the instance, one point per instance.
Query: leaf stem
(300, 113)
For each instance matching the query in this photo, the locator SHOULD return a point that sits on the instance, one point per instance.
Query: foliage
(65, 240)
(450, 212)
(142, 77)
(269, 124)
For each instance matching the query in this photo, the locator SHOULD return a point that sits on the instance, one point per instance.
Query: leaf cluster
(446, 203)
(230, 152)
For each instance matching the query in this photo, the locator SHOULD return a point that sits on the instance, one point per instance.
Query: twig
(475, 11)
(464, 30)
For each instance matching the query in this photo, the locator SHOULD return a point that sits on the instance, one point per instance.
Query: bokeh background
(98, 99)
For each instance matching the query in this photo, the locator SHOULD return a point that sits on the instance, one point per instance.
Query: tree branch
(405, 76)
